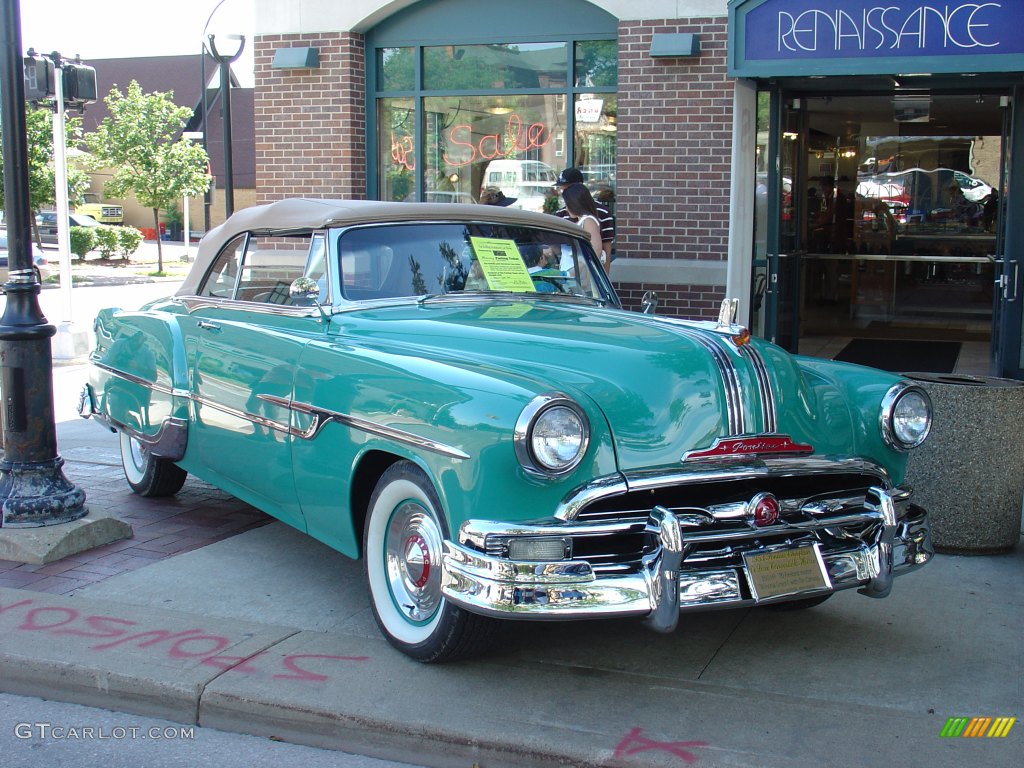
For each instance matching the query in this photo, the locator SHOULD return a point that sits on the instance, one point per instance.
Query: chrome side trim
(137, 380)
(196, 303)
(262, 421)
(321, 417)
(769, 414)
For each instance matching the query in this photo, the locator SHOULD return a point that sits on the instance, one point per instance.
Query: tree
(137, 140)
(42, 188)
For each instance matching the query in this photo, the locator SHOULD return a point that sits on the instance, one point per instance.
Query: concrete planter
(969, 474)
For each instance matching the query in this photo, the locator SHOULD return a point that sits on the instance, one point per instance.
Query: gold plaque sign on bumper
(786, 572)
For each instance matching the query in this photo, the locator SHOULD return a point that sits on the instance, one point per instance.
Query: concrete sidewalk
(269, 633)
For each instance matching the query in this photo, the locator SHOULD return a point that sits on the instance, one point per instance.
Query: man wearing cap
(575, 176)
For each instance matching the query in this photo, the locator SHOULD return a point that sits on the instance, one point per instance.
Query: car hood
(665, 387)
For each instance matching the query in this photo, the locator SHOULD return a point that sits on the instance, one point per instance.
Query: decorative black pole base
(33, 489)
(34, 495)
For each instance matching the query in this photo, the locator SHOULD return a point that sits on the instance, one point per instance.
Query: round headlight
(551, 435)
(557, 438)
(906, 417)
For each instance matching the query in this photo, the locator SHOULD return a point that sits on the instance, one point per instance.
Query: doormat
(879, 329)
(898, 356)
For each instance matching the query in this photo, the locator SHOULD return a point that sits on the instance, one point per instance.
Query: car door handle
(207, 326)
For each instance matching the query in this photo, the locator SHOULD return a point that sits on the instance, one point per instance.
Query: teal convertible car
(454, 394)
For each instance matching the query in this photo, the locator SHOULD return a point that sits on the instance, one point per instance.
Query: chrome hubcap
(412, 549)
(136, 450)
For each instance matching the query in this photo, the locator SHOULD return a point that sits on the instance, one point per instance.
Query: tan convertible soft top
(297, 214)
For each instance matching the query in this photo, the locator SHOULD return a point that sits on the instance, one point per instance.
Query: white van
(529, 181)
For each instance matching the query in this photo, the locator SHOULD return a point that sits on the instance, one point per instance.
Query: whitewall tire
(403, 543)
(146, 474)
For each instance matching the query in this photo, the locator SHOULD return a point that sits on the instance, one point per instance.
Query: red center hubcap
(417, 560)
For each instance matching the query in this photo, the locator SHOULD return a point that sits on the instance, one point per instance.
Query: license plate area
(786, 572)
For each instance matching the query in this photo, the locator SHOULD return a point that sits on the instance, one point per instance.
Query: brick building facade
(673, 146)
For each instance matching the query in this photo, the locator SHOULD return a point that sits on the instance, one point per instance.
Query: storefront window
(396, 120)
(474, 142)
(596, 129)
(524, 65)
(597, 63)
(477, 116)
(396, 69)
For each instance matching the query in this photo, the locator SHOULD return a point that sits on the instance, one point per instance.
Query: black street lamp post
(224, 60)
(33, 489)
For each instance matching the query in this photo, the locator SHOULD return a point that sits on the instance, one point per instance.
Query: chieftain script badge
(757, 445)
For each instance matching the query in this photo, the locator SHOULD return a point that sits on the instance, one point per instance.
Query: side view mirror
(649, 303)
(304, 291)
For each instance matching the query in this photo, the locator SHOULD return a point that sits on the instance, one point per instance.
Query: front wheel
(146, 474)
(403, 542)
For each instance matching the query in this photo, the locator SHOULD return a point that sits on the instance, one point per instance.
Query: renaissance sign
(875, 32)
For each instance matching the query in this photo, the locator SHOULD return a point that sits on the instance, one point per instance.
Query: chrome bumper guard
(665, 585)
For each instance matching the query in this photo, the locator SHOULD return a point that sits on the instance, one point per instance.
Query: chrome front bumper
(665, 584)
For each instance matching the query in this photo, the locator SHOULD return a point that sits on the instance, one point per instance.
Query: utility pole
(33, 489)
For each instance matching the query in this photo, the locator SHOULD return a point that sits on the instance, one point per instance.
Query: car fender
(456, 422)
(138, 377)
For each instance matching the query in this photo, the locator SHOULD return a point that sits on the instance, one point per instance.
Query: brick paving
(198, 515)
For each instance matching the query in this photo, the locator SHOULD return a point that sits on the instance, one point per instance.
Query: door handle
(207, 326)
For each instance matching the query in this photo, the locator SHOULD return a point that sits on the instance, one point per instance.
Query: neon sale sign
(465, 148)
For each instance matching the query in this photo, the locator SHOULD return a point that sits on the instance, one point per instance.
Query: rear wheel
(146, 474)
(403, 542)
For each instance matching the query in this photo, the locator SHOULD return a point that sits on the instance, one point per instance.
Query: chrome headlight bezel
(541, 407)
(892, 433)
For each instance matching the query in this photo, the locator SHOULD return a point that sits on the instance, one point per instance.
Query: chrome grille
(802, 498)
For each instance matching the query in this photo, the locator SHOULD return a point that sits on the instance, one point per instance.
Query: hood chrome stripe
(769, 410)
(732, 388)
(736, 417)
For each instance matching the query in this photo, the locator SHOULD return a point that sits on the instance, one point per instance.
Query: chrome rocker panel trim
(570, 589)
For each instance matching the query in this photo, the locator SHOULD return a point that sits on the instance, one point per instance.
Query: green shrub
(106, 241)
(83, 240)
(128, 241)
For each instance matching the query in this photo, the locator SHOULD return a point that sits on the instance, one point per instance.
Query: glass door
(887, 222)
(1010, 278)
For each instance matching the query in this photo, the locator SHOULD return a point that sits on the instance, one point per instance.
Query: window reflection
(474, 142)
(396, 121)
(474, 67)
(596, 129)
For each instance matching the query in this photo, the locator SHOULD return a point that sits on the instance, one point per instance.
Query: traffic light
(79, 82)
(39, 80)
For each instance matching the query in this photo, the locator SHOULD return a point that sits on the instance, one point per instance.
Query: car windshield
(382, 262)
